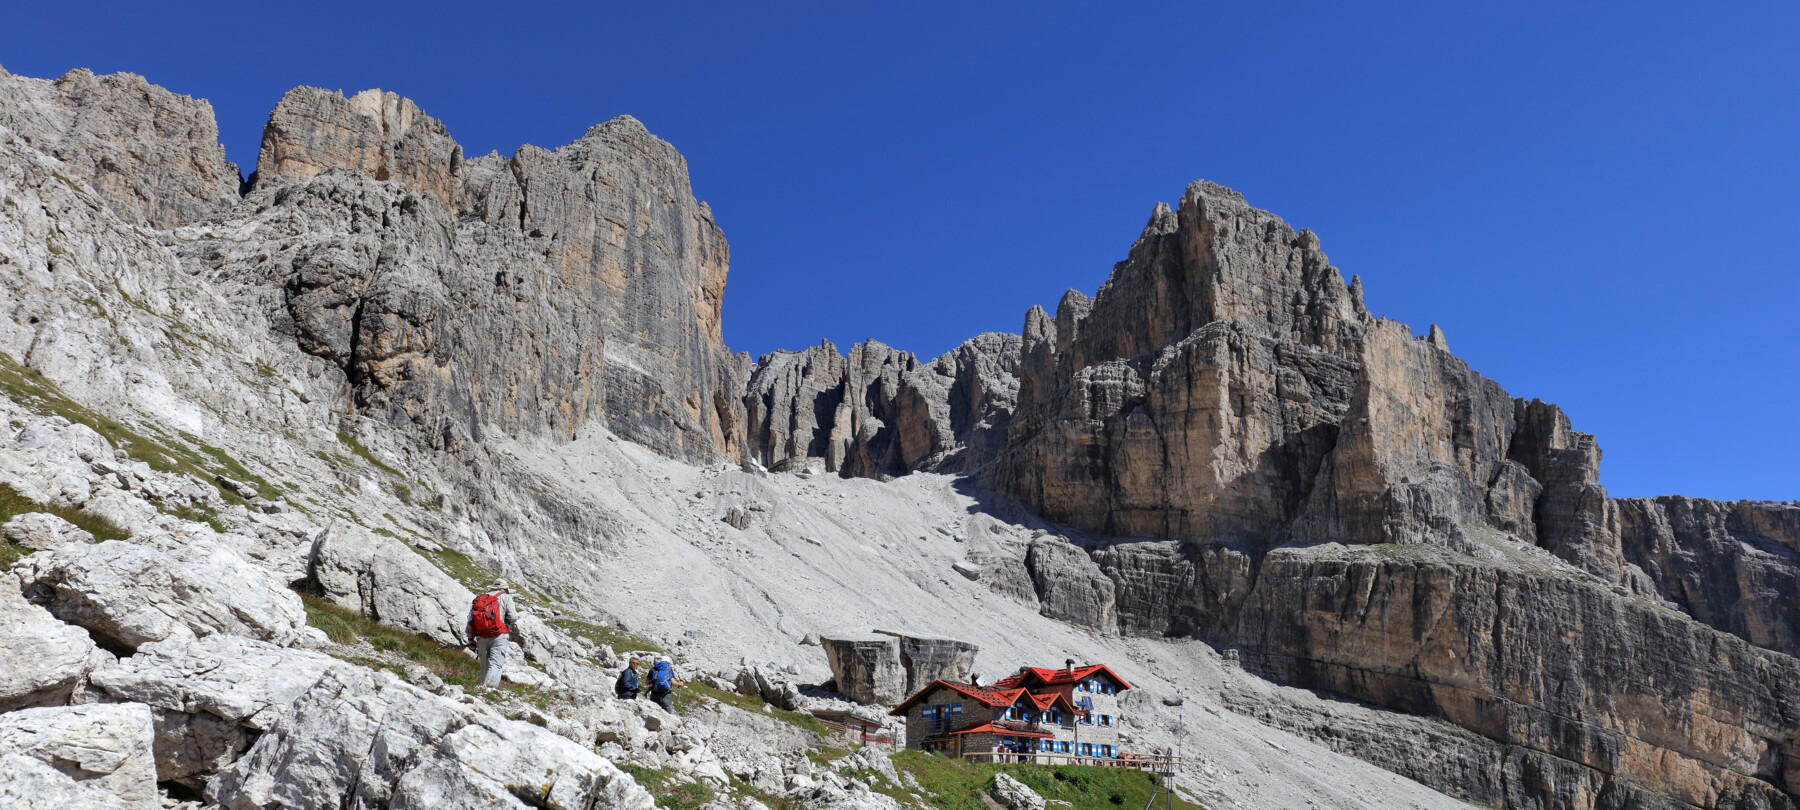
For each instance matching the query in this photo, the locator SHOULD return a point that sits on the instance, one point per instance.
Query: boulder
(106, 746)
(42, 659)
(365, 739)
(30, 784)
(210, 697)
(42, 531)
(384, 580)
(1013, 794)
(133, 593)
(541, 642)
(771, 685)
(867, 668)
(930, 659)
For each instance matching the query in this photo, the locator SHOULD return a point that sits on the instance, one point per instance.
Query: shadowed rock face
(152, 155)
(1734, 566)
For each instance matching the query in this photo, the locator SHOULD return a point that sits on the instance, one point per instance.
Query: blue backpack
(662, 678)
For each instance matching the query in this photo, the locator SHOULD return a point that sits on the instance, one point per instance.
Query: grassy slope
(954, 784)
(12, 504)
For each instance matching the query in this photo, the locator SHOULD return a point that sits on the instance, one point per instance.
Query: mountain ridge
(1238, 449)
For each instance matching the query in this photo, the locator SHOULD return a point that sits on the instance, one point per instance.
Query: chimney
(1068, 665)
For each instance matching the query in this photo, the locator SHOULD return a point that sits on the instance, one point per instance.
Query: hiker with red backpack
(490, 622)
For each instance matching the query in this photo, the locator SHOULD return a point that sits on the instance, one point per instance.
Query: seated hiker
(662, 683)
(490, 622)
(627, 685)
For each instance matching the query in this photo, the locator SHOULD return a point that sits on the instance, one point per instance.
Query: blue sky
(1598, 202)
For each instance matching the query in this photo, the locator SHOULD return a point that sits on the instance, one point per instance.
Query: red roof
(991, 697)
(1058, 677)
(1010, 732)
(995, 697)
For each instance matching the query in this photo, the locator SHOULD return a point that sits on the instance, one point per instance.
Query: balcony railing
(1160, 763)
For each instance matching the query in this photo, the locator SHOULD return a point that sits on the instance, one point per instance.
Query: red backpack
(486, 622)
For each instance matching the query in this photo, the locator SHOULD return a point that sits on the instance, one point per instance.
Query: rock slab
(107, 747)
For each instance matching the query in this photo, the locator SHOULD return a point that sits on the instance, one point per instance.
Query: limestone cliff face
(381, 135)
(530, 293)
(153, 155)
(881, 412)
(1360, 512)
(1734, 566)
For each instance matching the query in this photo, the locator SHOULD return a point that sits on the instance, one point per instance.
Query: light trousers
(492, 652)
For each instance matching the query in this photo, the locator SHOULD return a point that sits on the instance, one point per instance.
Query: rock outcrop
(882, 412)
(31, 784)
(42, 659)
(883, 668)
(409, 268)
(384, 580)
(379, 134)
(866, 668)
(133, 593)
(359, 738)
(1734, 566)
(210, 697)
(1013, 794)
(931, 659)
(152, 155)
(104, 747)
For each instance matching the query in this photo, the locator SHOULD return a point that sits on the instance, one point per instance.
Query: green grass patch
(667, 791)
(13, 504)
(363, 452)
(471, 574)
(67, 182)
(956, 784)
(346, 626)
(197, 514)
(164, 454)
(694, 694)
(595, 634)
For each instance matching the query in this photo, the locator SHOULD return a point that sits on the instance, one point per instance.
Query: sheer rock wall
(529, 294)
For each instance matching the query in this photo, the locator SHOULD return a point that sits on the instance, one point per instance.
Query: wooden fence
(1161, 763)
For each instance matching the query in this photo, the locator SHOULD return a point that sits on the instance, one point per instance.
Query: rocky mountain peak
(153, 155)
(380, 134)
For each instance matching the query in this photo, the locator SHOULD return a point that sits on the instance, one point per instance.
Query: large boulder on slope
(385, 580)
(382, 578)
(42, 659)
(930, 659)
(106, 747)
(132, 593)
(365, 739)
(30, 784)
(867, 668)
(210, 697)
(1013, 794)
(42, 531)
